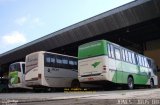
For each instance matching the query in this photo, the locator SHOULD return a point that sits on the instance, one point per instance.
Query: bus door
(118, 64)
(23, 72)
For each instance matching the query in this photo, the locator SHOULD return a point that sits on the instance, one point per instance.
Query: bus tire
(151, 83)
(75, 84)
(130, 83)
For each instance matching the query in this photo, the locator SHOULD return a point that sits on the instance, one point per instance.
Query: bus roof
(17, 62)
(52, 53)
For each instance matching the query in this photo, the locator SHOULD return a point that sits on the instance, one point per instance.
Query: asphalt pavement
(138, 96)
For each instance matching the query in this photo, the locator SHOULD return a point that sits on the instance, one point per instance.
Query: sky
(22, 21)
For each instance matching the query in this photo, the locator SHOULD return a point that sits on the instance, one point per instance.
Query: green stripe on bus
(122, 77)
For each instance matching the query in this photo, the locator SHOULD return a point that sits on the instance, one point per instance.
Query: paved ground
(139, 96)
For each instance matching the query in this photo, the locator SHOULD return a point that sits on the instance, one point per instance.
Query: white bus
(17, 76)
(46, 69)
(106, 62)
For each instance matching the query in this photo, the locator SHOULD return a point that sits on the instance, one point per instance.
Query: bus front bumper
(18, 85)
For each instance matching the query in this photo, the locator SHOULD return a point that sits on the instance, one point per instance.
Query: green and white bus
(103, 61)
(17, 76)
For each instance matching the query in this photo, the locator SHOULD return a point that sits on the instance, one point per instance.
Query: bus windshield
(15, 67)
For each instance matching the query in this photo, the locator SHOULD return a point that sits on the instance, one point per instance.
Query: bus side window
(59, 61)
(112, 51)
(149, 63)
(123, 55)
(137, 59)
(109, 50)
(140, 60)
(47, 61)
(129, 56)
(145, 62)
(133, 58)
(65, 62)
(117, 54)
(75, 64)
(53, 60)
(18, 67)
(71, 63)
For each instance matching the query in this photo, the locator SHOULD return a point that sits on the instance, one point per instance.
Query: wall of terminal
(153, 51)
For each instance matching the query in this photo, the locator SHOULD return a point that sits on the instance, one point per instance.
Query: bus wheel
(130, 83)
(151, 83)
(75, 84)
